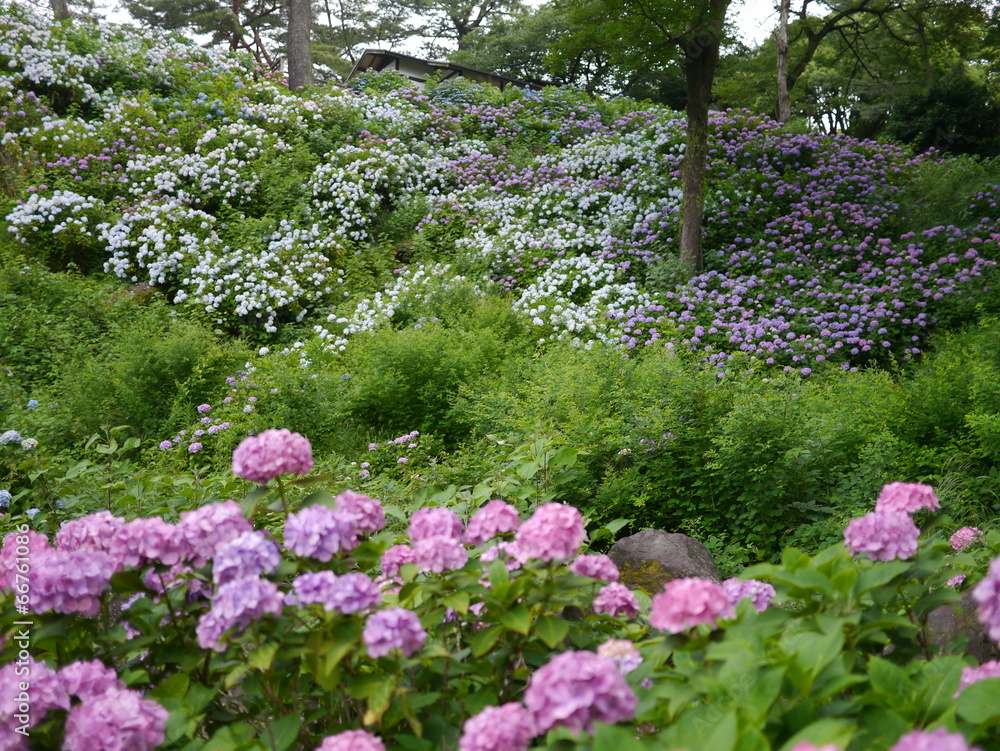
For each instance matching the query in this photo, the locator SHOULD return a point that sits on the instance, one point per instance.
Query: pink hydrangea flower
(235, 606)
(971, 675)
(955, 580)
(395, 628)
(936, 740)
(987, 596)
(263, 457)
(807, 746)
(907, 497)
(202, 531)
(47, 691)
(439, 553)
(72, 582)
(250, 554)
(495, 518)
(118, 719)
(758, 592)
(554, 531)
(505, 728)
(964, 537)
(146, 540)
(577, 689)
(596, 567)
(689, 602)
(622, 653)
(434, 521)
(371, 517)
(87, 680)
(91, 532)
(616, 600)
(506, 551)
(321, 532)
(352, 740)
(883, 535)
(396, 557)
(38, 551)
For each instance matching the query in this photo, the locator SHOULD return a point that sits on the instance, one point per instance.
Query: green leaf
(517, 618)
(980, 702)
(175, 687)
(890, 681)
(552, 630)
(262, 657)
(458, 601)
(879, 574)
(380, 699)
(763, 694)
(615, 738)
(282, 732)
(127, 582)
(723, 736)
(319, 498)
(821, 733)
(482, 641)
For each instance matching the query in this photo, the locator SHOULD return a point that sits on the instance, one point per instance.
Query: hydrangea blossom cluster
(935, 740)
(495, 518)
(597, 566)
(964, 537)
(350, 593)
(320, 532)
(434, 521)
(507, 727)
(117, 718)
(249, 555)
(907, 497)
(394, 628)
(689, 602)
(554, 531)
(235, 606)
(758, 592)
(622, 653)
(368, 511)
(987, 596)
(273, 453)
(970, 675)
(616, 600)
(352, 740)
(577, 689)
(883, 535)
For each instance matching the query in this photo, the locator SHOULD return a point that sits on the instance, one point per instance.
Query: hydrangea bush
(246, 626)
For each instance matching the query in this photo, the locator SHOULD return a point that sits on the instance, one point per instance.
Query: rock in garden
(649, 559)
(949, 623)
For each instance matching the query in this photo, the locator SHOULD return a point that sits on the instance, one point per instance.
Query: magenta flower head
(91, 532)
(145, 540)
(907, 497)
(758, 592)
(439, 553)
(250, 554)
(72, 582)
(596, 567)
(622, 653)
(495, 518)
(395, 628)
(964, 537)
(434, 521)
(685, 603)
(116, 719)
(371, 517)
(577, 689)
(87, 680)
(396, 557)
(937, 740)
(883, 535)
(263, 457)
(321, 532)
(554, 531)
(505, 728)
(807, 746)
(235, 606)
(38, 550)
(989, 669)
(987, 596)
(616, 600)
(201, 531)
(47, 691)
(351, 740)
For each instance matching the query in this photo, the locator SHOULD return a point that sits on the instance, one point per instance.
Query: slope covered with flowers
(197, 173)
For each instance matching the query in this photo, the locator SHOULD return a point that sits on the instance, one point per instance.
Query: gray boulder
(960, 623)
(649, 559)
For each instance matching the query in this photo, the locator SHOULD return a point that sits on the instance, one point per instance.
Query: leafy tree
(345, 27)
(451, 21)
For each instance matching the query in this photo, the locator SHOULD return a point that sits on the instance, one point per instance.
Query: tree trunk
(702, 55)
(60, 9)
(781, 44)
(300, 67)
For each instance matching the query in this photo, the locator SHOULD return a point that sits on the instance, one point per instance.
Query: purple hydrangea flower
(987, 595)
(807, 746)
(577, 689)
(353, 593)
(195, 447)
(118, 719)
(936, 740)
(955, 580)
(395, 628)
(597, 566)
(508, 727)
(147, 540)
(313, 588)
(616, 600)
(371, 517)
(166, 445)
(508, 550)
(431, 522)
(758, 592)
(47, 691)
(91, 532)
(321, 532)
(263, 457)
(204, 407)
(495, 518)
(202, 530)
(235, 606)
(622, 653)
(396, 557)
(907, 497)
(72, 582)
(250, 554)
(439, 553)
(685, 603)
(972, 675)
(883, 535)
(964, 537)
(38, 551)
(351, 740)
(554, 531)
(87, 680)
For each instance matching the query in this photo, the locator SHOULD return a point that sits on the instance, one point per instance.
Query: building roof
(419, 70)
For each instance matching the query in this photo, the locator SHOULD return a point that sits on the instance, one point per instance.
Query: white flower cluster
(49, 215)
